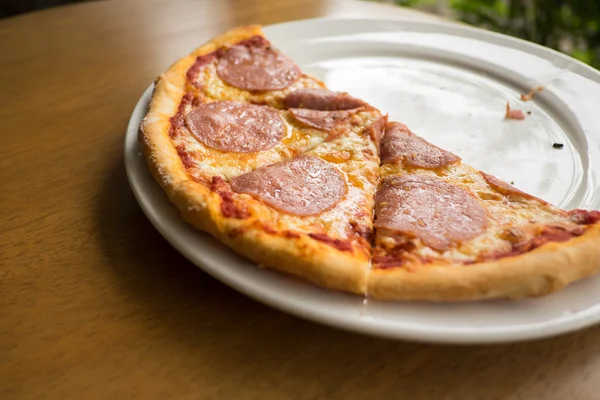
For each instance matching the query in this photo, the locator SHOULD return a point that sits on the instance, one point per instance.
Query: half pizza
(288, 173)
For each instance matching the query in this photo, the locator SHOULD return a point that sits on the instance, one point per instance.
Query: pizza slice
(446, 231)
(310, 216)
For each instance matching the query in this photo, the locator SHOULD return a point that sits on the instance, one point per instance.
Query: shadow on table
(195, 323)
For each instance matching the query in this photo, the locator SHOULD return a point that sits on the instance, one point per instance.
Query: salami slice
(321, 99)
(400, 144)
(305, 185)
(321, 120)
(236, 127)
(257, 66)
(440, 214)
(505, 188)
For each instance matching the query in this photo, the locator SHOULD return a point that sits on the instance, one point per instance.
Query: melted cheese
(215, 88)
(353, 153)
(355, 156)
(503, 212)
(208, 162)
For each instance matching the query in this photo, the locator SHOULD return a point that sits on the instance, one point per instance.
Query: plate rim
(364, 324)
(452, 26)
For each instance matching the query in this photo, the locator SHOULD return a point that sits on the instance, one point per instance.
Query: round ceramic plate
(450, 84)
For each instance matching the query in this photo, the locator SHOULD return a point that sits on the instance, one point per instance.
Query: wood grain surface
(94, 304)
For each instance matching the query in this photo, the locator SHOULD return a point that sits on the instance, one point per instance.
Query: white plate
(450, 84)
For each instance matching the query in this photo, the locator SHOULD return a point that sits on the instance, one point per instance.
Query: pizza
(320, 185)
(445, 230)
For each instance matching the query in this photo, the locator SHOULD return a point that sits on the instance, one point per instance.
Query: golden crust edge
(300, 256)
(539, 272)
(303, 256)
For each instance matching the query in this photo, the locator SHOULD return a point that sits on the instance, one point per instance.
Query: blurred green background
(570, 26)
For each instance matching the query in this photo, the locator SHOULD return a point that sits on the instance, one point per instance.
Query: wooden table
(94, 304)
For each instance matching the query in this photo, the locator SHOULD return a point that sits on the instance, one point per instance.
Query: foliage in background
(570, 26)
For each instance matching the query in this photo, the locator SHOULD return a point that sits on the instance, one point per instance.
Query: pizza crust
(541, 271)
(302, 256)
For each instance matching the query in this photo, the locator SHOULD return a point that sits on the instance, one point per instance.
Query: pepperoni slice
(399, 143)
(505, 188)
(322, 120)
(236, 127)
(305, 185)
(321, 99)
(440, 214)
(257, 66)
